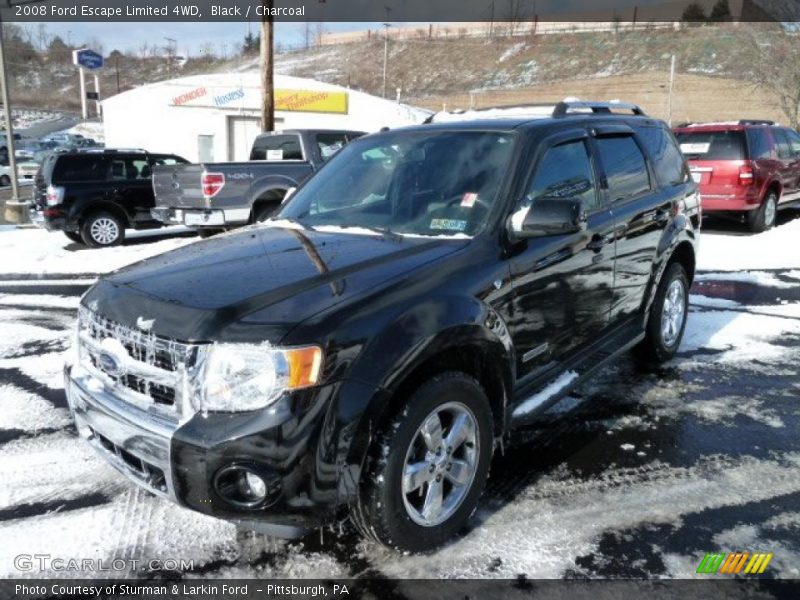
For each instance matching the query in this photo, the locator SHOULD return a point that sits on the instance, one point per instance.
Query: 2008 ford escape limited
(430, 290)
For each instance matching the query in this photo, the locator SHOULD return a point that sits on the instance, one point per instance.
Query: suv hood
(257, 283)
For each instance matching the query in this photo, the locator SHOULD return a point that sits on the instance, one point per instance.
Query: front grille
(153, 369)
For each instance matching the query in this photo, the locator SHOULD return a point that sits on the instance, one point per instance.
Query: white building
(208, 118)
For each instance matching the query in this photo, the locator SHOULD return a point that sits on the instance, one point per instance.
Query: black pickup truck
(215, 196)
(364, 353)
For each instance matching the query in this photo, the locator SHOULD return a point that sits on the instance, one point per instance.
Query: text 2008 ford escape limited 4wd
(428, 291)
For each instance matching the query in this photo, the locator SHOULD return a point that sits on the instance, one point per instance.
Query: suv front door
(130, 185)
(562, 283)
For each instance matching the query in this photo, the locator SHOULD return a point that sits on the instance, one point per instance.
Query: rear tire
(667, 320)
(428, 468)
(207, 233)
(102, 230)
(5, 180)
(73, 236)
(763, 218)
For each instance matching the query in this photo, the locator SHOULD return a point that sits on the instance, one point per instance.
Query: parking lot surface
(635, 475)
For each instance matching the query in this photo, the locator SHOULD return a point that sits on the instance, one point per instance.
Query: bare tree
(319, 34)
(771, 61)
(516, 12)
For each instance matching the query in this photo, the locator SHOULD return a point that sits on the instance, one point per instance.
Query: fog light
(243, 486)
(253, 486)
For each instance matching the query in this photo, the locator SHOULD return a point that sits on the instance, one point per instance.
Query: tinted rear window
(277, 147)
(712, 145)
(667, 158)
(760, 143)
(625, 167)
(84, 167)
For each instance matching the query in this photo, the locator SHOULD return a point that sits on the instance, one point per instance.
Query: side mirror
(551, 216)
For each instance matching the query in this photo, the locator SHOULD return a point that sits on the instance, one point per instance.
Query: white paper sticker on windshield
(468, 199)
(274, 154)
(696, 148)
(448, 224)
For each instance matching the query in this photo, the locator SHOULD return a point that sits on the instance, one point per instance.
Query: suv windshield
(424, 183)
(712, 145)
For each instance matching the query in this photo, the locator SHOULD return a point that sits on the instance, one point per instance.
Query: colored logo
(735, 562)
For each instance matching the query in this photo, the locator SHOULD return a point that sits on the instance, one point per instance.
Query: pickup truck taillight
(55, 195)
(745, 175)
(212, 183)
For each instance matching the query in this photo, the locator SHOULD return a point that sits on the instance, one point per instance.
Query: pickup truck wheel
(667, 320)
(102, 229)
(763, 218)
(75, 237)
(5, 180)
(430, 466)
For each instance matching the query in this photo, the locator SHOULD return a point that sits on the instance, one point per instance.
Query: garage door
(241, 133)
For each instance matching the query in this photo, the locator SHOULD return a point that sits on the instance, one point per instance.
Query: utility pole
(671, 85)
(13, 203)
(385, 53)
(267, 79)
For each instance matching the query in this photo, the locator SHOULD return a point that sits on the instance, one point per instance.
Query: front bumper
(180, 460)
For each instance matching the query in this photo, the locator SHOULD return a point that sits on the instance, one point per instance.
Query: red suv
(748, 166)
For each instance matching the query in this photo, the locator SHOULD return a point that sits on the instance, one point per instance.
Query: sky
(226, 38)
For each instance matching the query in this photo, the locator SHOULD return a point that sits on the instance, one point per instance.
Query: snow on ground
(88, 129)
(39, 253)
(638, 475)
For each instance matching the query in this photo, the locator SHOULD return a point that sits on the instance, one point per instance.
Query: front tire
(763, 218)
(102, 230)
(429, 467)
(667, 320)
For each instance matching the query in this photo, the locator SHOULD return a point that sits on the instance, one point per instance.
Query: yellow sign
(319, 101)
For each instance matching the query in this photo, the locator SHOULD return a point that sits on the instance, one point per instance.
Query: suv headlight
(241, 377)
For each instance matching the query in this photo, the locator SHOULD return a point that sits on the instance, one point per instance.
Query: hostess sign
(87, 59)
(319, 101)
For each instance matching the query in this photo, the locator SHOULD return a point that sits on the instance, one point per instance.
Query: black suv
(93, 196)
(428, 291)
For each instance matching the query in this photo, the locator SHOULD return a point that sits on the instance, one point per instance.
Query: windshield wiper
(385, 233)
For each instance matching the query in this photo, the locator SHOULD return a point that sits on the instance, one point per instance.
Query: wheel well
(92, 209)
(684, 254)
(776, 187)
(272, 196)
(474, 360)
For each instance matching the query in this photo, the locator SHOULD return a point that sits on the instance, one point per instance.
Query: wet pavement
(636, 474)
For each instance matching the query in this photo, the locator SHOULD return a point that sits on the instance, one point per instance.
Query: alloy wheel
(673, 313)
(440, 464)
(104, 231)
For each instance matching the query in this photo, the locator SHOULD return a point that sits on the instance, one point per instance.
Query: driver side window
(565, 171)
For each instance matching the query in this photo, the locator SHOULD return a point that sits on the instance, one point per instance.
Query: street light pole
(12, 163)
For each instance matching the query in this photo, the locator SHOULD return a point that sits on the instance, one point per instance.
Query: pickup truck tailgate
(179, 186)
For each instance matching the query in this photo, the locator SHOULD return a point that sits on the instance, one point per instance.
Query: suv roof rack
(563, 108)
(108, 150)
(540, 110)
(756, 122)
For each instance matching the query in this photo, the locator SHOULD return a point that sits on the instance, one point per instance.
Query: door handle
(661, 216)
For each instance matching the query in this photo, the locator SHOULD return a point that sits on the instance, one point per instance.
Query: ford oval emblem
(109, 364)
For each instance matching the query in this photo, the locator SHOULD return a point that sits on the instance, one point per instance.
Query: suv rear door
(788, 146)
(641, 198)
(129, 185)
(563, 283)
